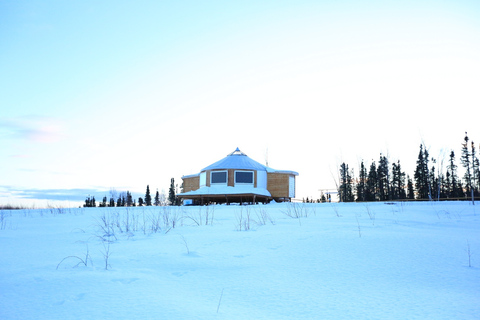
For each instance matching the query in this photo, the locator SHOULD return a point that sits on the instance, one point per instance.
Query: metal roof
(237, 160)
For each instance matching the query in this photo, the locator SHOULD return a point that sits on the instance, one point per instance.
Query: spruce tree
(383, 179)
(448, 185)
(371, 186)
(345, 190)
(410, 190)
(103, 204)
(398, 182)
(466, 160)
(362, 183)
(157, 199)
(140, 201)
(323, 199)
(148, 197)
(129, 201)
(421, 175)
(454, 189)
(171, 193)
(475, 171)
(87, 202)
(443, 187)
(434, 183)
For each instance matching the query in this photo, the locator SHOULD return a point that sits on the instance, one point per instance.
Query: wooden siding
(231, 178)
(191, 184)
(277, 184)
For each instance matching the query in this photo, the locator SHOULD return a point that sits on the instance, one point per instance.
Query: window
(244, 177)
(218, 177)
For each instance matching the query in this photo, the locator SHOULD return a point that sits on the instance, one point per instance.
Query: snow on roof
(238, 160)
(225, 190)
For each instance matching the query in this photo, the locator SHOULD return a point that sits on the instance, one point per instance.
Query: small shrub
(295, 210)
(263, 217)
(242, 219)
(370, 213)
(106, 254)
(81, 261)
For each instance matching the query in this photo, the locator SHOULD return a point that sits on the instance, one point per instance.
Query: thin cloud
(40, 129)
(50, 194)
(20, 156)
(77, 194)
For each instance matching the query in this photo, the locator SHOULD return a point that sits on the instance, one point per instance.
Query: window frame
(219, 183)
(245, 183)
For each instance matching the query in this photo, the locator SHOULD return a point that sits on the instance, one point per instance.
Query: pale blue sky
(122, 94)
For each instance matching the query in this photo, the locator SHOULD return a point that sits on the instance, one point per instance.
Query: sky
(96, 96)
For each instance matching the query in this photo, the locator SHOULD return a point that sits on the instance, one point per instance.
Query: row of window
(221, 177)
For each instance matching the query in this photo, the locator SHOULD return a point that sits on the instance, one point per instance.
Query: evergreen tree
(443, 187)
(421, 175)
(129, 201)
(119, 201)
(410, 190)
(398, 182)
(371, 185)
(140, 201)
(87, 202)
(148, 197)
(475, 171)
(345, 190)
(448, 185)
(103, 204)
(112, 202)
(323, 199)
(172, 198)
(93, 204)
(362, 183)
(434, 183)
(157, 199)
(466, 160)
(383, 179)
(454, 189)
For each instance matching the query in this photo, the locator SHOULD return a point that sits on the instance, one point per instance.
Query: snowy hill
(277, 261)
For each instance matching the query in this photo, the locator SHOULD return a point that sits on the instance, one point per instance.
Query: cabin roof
(237, 160)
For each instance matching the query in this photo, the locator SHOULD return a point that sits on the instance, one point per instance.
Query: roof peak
(237, 152)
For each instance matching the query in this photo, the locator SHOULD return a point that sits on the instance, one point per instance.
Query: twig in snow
(220, 300)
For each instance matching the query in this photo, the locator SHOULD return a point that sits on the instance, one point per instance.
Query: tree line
(383, 182)
(125, 199)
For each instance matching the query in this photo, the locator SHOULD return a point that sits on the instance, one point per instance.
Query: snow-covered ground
(276, 261)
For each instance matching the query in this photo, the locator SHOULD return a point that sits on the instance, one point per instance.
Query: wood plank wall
(231, 178)
(277, 184)
(191, 184)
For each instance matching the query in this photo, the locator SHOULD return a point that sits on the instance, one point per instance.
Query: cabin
(238, 179)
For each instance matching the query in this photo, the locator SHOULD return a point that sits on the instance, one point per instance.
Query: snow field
(288, 261)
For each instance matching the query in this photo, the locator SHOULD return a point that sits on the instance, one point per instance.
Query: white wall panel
(262, 179)
(291, 186)
(203, 179)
